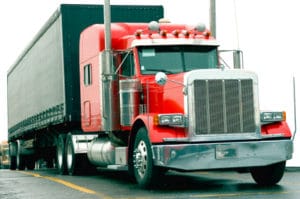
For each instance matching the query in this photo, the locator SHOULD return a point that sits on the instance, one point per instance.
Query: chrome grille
(224, 106)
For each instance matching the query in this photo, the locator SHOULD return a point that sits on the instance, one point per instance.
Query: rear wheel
(70, 156)
(12, 155)
(20, 160)
(30, 162)
(268, 175)
(144, 170)
(13, 163)
(60, 155)
(76, 163)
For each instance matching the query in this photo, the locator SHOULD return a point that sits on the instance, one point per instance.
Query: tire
(13, 163)
(144, 170)
(20, 162)
(61, 155)
(30, 162)
(76, 164)
(20, 159)
(12, 156)
(70, 156)
(268, 175)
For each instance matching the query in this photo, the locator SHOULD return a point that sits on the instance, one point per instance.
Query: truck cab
(170, 100)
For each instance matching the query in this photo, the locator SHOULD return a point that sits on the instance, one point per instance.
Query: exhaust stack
(109, 91)
(107, 22)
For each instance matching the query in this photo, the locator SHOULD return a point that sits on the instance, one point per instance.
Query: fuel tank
(130, 92)
(101, 152)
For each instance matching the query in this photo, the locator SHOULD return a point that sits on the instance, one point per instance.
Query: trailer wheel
(144, 170)
(13, 163)
(268, 175)
(30, 162)
(20, 160)
(12, 155)
(60, 155)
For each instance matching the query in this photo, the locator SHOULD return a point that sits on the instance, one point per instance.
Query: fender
(157, 133)
(276, 128)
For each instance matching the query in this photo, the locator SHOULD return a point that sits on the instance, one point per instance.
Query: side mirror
(161, 78)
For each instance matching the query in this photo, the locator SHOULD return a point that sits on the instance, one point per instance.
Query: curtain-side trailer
(43, 91)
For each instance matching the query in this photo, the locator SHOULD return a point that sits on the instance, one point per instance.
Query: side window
(87, 78)
(128, 65)
(124, 63)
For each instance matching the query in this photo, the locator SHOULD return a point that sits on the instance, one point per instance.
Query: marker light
(138, 33)
(186, 33)
(176, 33)
(207, 34)
(163, 33)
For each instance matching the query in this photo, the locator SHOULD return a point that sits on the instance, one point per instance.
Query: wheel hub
(60, 157)
(69, 156)
(140, 158)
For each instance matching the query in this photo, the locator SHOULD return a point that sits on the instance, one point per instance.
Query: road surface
(47, 184)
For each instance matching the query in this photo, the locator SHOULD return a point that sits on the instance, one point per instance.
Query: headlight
(272, 116)
(171, 119)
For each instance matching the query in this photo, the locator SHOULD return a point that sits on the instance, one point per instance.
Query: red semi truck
(147, 97)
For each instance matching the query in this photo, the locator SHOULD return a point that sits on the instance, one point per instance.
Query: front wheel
(144, 170)
(268, 175)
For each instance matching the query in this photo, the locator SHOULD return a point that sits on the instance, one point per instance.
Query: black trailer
(43, 92)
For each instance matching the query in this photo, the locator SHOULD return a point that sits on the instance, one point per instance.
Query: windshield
(176, 59)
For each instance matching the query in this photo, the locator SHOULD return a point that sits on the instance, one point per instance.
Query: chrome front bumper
(222, 155)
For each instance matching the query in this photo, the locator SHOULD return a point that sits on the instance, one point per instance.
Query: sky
(266, 31)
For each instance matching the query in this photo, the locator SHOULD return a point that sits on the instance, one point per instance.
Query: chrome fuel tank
(101, 152)
(129, 100)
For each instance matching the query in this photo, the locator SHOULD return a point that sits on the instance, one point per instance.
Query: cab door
(90, 95)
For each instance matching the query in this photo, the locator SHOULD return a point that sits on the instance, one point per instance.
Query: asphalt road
(47, 184)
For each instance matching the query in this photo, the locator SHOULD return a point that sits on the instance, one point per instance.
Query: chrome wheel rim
(69, 156)
(140, 158)
(59, 156)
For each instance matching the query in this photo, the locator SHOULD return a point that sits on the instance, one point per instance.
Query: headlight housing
(170, 120)
(269, 117)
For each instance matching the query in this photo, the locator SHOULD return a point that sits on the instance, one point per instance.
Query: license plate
(225, 152)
